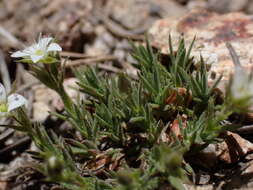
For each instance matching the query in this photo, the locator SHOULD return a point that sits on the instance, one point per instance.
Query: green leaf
(176, 183)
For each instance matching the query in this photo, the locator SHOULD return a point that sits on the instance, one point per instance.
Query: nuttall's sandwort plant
(133, 133)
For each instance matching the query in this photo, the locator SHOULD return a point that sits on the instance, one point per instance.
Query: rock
(212, 31)
(101, 45)
(203, 179)
(62, 19)
(234, 148)
(202, 187)
(169, 8)
(197, 4)
(126, 12)
(43, 97)
(135, 13)
(41, 111)
(120, 54)
(207, 158)
(71, 87)
(46, 100)
(222, 6)
(241, 178)
(230, 151)
(227, 5)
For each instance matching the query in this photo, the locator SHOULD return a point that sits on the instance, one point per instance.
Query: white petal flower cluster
(38, 51)
(11, 102)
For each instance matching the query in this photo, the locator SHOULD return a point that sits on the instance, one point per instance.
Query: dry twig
(109, 68)
(16, 145)
(79, 62)
(233, 55)
(76, 55)
(247, 129)
(6, 134)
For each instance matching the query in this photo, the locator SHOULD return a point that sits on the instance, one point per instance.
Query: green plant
(128, 127)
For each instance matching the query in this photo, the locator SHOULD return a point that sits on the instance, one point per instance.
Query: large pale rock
(212, 31)
(227, 5)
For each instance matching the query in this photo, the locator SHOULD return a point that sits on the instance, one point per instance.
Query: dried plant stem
(233, 55)
(77, 55)
(79, 62)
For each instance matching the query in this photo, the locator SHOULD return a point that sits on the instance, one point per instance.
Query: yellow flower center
(39, 52)
(3, 107)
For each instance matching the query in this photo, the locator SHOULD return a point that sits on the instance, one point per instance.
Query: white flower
(38, 51)
(241, 90)
(11, 102)
(242, 84)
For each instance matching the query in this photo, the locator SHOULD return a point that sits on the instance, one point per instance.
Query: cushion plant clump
(133, 133)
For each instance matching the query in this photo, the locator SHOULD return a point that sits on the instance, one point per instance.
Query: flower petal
(54, 47)
(43, 43)
(16, 101)
(36, 58)
(3, 97)
(19, 54)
